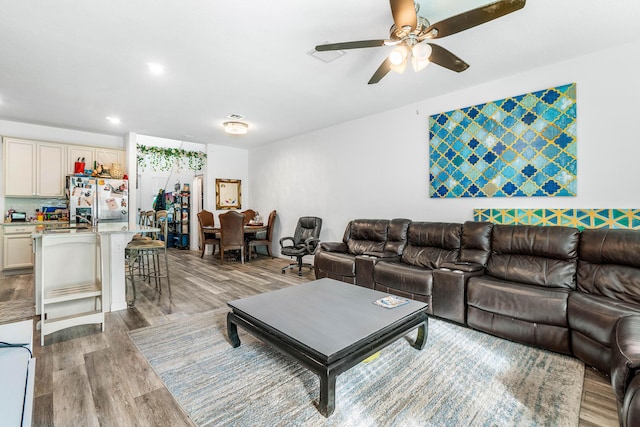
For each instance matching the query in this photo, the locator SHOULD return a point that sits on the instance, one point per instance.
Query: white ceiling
(71, 63)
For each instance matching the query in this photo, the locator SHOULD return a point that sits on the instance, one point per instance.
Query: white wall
(226, 163)
(377, 166)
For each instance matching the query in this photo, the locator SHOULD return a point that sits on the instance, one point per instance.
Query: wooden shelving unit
(72, 287)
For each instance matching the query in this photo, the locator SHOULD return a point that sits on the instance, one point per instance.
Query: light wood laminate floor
(88, 378)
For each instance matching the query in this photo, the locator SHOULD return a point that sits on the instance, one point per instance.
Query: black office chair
(305, 241)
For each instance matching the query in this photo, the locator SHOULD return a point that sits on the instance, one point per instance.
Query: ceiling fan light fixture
(421, 51)
(420, 56)
(235, 128)
(398, 56)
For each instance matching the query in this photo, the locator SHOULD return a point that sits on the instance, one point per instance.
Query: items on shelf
(179, 230)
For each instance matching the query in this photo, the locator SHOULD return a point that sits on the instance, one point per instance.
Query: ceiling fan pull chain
(418, 97)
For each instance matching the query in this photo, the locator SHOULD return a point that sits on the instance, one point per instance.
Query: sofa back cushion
(543, 256)
(429, 244)
(366, 235)
(609, 264)
(397, 235)
(476, 242)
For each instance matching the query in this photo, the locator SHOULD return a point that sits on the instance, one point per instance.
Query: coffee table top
(325, 315)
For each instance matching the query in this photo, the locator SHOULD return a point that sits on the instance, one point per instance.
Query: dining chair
(253, 243)
(206, 219)
(231, 233)
(249, 214)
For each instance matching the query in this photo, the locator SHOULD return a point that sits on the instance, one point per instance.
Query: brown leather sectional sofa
(557, 288)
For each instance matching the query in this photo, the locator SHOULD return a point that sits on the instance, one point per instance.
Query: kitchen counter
(17, 223)
(101, 228)
(113, 240)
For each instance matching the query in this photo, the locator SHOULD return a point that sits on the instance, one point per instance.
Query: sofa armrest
(449, 291)
(629, 411)
(466, 267)
(334, 247)
(382, 256)
(625, 355)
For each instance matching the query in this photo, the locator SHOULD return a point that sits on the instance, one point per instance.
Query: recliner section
(370, 239)
(524, 292)
(608, 285)
(429, 245)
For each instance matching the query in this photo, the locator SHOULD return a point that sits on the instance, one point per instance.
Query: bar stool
(142, 264)
(150, 249)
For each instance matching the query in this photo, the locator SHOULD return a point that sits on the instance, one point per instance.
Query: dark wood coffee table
(327, 326)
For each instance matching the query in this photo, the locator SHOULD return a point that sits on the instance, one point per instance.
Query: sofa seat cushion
(534, 304)
(596, 316)
(406, 278)
(336, 263)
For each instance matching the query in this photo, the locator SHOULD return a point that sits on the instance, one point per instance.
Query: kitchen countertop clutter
(48, 214)
(100, 228)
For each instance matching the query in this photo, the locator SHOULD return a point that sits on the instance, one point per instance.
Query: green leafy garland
(163, 159)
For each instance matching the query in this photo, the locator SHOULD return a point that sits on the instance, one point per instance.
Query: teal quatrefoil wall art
(520, 146)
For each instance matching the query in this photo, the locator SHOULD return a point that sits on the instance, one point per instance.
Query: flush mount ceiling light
(113, 120)
(235, 128)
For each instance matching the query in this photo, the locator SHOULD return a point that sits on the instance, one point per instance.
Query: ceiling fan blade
(382, 71)
(350, 45)
(446, 59)
(404, 13)
(474, 17)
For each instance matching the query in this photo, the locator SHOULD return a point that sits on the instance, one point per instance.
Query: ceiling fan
(409, 32)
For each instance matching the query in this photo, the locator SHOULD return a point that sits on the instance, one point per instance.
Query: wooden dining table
(249, 231)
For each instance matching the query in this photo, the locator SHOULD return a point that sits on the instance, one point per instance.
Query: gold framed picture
(228, 194)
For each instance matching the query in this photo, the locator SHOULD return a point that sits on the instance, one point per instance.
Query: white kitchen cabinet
(101, 156)
(75, 152)
(17, 246)
(50, 171)
(106, 157)
(19, 167)
(33, 168)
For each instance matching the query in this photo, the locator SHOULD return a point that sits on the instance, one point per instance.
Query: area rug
(14, 311)
(462, 377)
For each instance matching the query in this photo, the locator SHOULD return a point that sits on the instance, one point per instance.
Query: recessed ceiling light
(113, 120)
(155, 68)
